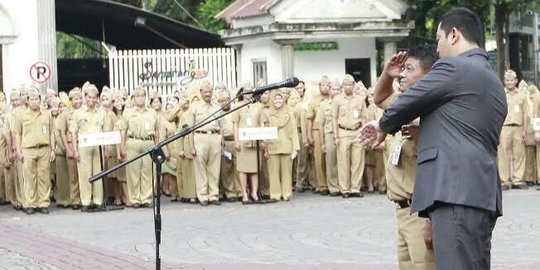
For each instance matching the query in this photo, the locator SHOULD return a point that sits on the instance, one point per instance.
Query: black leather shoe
(145, 205)
(505, 187)
(85, 209)
(136, 205)
(325, 192)
(76, 207)
(382, 192)
(299, 189)
(215, 202)
(99, 208)
(232, 199)
(30, 211)
(204, 203)
(18, 208)
(43, 210)
(334, 194)
(523, 186)
(357, 194)
(346, 195)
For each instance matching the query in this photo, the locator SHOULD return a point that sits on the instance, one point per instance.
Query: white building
(276, 39)
(27, 36)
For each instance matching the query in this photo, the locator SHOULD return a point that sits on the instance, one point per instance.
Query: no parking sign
(40, 72)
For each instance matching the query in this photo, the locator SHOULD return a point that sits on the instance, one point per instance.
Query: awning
(115, 23)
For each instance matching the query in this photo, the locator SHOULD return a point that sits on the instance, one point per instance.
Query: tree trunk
(501, 10)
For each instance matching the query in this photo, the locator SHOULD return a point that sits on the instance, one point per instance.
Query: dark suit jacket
(462, 106)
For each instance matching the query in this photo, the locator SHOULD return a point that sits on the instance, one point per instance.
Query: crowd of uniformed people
(317, 149)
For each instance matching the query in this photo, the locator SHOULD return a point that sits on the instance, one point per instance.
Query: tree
(206, 12)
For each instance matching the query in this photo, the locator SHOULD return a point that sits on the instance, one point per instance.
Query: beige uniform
(350, 113)
(280, 150)
(140, 126)
(14, 187)
(530, 147)
(324, 117)
(64, 121)
(511, 146)
(375, 157)
(411, 250)
(62, 179)
(86, 121)
(247, 117)
(301, 166)
(187, 175)
(318, 160)
(34, 129)
(3, 160)
(536, 117)
(230, 184)
(207, 142)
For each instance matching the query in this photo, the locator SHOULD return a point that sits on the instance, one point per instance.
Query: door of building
(360, 69)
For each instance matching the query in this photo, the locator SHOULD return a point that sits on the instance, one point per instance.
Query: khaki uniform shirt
(57, 138)
(313, 108)
(518, 108)
(34, 128)
(400, 178)
(350, 111)
(228, 127)
(284, 120)
(139, 123)
(90, 121)
(199, 111)
(64, 122)
(324, 116)
(183, 143)
(248, 117)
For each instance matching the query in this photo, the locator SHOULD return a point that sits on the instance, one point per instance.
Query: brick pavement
(310, 232)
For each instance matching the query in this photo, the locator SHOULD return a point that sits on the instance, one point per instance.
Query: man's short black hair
(466, 21)
(426, 54)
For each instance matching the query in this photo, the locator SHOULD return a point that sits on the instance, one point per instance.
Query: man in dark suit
(462, 106)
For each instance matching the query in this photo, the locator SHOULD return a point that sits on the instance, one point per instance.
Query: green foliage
(206, 12)
(69, 47)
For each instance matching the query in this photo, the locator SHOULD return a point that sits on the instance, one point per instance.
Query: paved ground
(310, 232)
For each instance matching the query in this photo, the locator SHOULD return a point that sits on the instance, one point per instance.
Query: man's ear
(454, 35)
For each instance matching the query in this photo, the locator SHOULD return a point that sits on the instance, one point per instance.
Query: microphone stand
(158, 157)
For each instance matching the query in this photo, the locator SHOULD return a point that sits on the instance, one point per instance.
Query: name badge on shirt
(517, 108)
(396, 152)
(146, 126)
(536, 124)
(356, 113)
(45, 129)
(249, 122)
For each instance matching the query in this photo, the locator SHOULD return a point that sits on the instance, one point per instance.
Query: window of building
(259, 72)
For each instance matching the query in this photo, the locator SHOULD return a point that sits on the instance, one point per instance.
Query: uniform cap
(75, 93)
(324, 80)
(91, 89)
(206, 84)
(223, 94)
(348, 79)
(510, 74)
(138, 91)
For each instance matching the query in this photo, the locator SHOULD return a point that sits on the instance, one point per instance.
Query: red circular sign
(40, 72)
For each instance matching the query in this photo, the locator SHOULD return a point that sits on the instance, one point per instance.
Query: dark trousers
(462, 236)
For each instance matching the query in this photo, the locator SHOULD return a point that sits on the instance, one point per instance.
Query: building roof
(243, 9)
(115, 24)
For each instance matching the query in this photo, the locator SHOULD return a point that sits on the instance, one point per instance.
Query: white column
(287, 56)
(47, 40)
(390, 48)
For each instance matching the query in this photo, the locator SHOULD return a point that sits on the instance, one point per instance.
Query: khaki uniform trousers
(73, 175)
(264, 175)
(331, 163)
(10, 174)
(300, 165)
(380, 176)
(511, 150)
(179, 177)
(139, 173)
(37, 184)
(189, 188)
(206, 166)
(230, 183)
(20, 183)
(411, 249)
(538, 163)
(350, 157)
(62, 181)
(279, 170)
(319, 162)
(88, 165)
(530, 163)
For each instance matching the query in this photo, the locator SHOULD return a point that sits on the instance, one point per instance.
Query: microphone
(290, 82)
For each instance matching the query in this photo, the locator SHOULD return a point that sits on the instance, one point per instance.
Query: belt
(512, 125)
(403, 203)
(142, 139)
(39, 146)
(228, 138)
(350, 129)
(206, 132)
